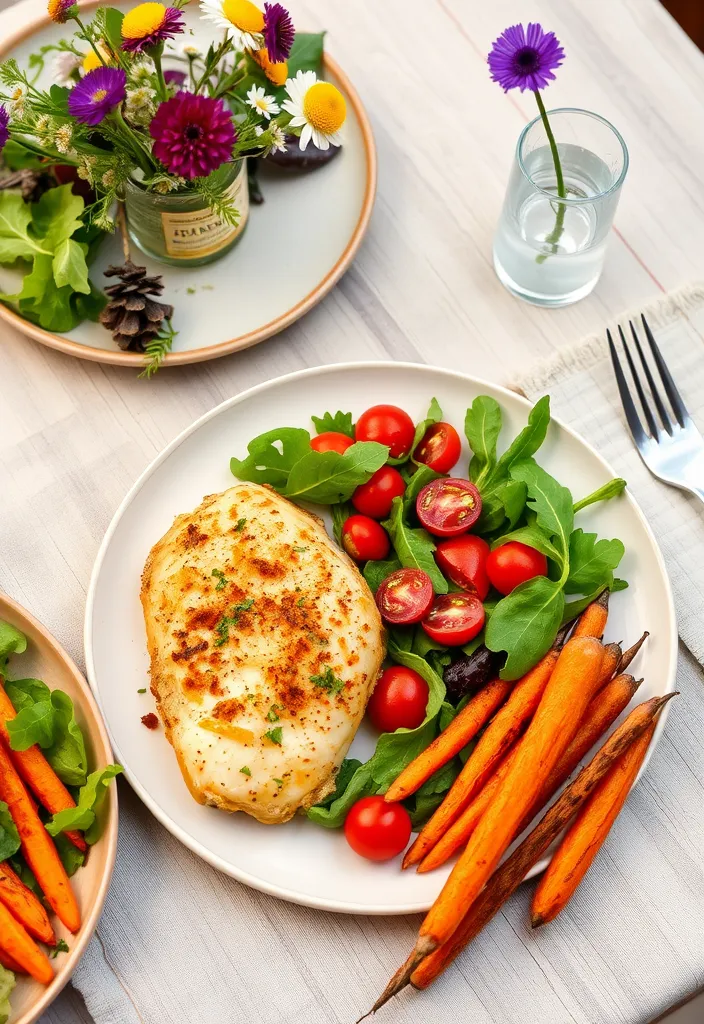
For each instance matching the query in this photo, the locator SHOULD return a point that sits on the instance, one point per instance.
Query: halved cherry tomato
(449, 506)
(398, 700)
(405, 596)
(439, 448)
(377, 830)
(463, 560)
(364, 539)
(454, 619)
(389, 425)
(331, 441)
(514, 563)
(374, 498)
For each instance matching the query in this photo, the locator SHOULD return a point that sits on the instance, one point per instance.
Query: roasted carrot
(463, 728)
(10, 964)
(586, 835)
(592, 621)
(16, 944)
(628, 656)
(24, 905)
(603, 710)
(503, 730)
(570, 688)
(37, 846)
(37, 773)
(421, 970)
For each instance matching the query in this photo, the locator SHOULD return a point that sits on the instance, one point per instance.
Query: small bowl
(46, 659)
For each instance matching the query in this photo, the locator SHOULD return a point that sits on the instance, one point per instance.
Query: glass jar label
(203, 232)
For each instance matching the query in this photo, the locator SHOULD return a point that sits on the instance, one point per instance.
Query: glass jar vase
(179, 228)
(549, 250)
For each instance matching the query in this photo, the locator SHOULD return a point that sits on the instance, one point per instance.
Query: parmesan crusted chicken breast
(265, 644)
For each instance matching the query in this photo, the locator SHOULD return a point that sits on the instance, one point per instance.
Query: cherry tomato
(454, 619)
(514, 563)
(374, 498)
(463, 560)
(439, 447)
(405, 596)
(398, 700)
(389, 425)
(331, 441)
(364, 539)
(377, 830)
(449, 506)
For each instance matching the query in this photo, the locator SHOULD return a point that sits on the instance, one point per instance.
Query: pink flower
(193, 135)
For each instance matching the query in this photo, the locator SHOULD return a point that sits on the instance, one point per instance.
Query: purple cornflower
(4, 130)
(193, 135)
(148, 25)
(98, 92)
(525, 58)
(278, 32)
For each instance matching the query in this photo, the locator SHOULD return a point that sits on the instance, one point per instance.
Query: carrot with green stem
(16, 943)
(24, 906)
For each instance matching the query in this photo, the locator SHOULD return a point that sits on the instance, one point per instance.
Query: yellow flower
(242, 19)
(276, 73)
(318, 108)
(61, 10)
(141, 21)
(91, 61)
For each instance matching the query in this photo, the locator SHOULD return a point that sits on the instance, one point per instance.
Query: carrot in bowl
(16, 943)
(24, 906)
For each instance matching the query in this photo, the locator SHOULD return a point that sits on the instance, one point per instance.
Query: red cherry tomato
(389, 425)
(377, 830)
(454, 619)
(331, 441)
(364, 539)
(463, 560)
(399, 700)
(374, 498)
(514, 563)
(439, 447)
(405, 596)
(449, 506)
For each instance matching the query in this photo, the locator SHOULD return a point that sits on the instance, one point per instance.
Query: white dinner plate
(301, 861)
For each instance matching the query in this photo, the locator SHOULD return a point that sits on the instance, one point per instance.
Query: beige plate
(297, 245)
(46, 659)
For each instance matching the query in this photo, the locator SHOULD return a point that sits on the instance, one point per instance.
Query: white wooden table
(74, 435)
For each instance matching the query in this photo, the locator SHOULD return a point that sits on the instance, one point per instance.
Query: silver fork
(673, 449)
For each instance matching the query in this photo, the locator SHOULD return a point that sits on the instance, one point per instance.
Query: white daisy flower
(261, 102)
(18, 98)
(64, 65)
(242, 19)
(190, 50)
(278, 138)
(318, 108)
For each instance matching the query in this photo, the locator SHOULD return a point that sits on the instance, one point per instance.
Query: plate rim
(109, 837)
(290, 896)
(61, 343)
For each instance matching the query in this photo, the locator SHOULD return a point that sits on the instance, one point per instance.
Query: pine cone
(32, 184)
(131, 315)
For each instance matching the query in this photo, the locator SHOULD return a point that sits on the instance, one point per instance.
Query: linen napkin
(180, 943)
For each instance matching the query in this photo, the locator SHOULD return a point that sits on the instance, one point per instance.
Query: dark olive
(295, 159)
(470, 672)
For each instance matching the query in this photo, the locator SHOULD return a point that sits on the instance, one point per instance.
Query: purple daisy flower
(193, 135)
(4, 130)
(150, 24)
(98, 92)
(525, 58)
(278, 32)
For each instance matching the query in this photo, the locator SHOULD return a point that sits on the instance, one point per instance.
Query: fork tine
(678, 406)
(632, 418)
(652, 425)
(664, 415)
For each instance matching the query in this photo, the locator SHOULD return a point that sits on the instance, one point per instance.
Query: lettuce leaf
(9, 836)
(47, 717)
(11, 642)
(83, 817)
(7, 983)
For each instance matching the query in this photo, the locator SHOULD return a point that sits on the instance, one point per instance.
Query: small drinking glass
(547, 250)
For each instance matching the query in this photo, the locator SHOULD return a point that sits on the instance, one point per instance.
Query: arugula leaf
(69, 266)
(340, 422)
(376, 572)
(83, 817)
(328, 477)
(552, 505)
(272, 456)
(340, 513)
(47, 717)
(530, 438)
(433, 415)
(16, 241)
(7, 984)
(592, 562)
(11, 642)
(525, 624)
(482, 425)
(610, 490)
(9, 836)
(534, 538)
(422, 476)
(413, 546)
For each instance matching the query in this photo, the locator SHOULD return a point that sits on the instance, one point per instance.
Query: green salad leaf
(525, 624)
(7, 984)
(71, 858)
(46, 717)
(551, 503)
(422, 476)
(272, 456)
(592, 562)
(340, 422)
(376, 572)
(328, 477)
(11, 642)
(9, 836)
(340, 512)
(414, 546)
(83, 817)
(433, 415)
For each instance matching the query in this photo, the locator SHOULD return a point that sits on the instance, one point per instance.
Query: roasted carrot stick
(38, 774)
(16, 944)
(586, 835)
(506, 725)
(463, 728)
(592, 621)
(603, 710)
(10, 964)
(630, 654)
(422, 971)
(37, 846)
(572, 685)
(24, 905)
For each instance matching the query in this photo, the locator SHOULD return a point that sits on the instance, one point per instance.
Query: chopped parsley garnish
(223, 626)
(275, 735)
(328, 681)
(279, 782)
(222, 579)
(143, 690)
(245, 770)
(239, 525)
(271, 715)
(251, 696)
(300, 602)
(301, 550)
(60, 947)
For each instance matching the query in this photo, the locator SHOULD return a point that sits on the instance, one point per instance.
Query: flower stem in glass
(554, 237)
(155, 54)
(89, 39)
